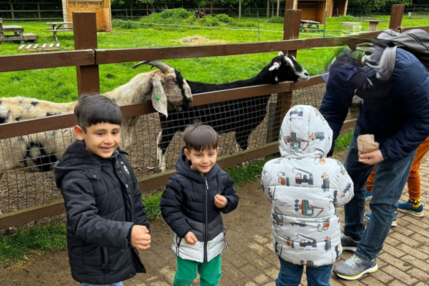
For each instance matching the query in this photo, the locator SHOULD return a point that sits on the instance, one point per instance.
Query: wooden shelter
(315, 9)
(101, 8)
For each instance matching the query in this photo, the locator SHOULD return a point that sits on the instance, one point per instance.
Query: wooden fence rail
(89, 57)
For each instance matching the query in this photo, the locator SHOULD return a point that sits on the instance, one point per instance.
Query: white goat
(40, 150)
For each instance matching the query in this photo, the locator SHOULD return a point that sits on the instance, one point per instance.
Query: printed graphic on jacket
(304, 189)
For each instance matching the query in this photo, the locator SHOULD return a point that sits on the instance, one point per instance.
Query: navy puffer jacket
(187, 204)
(395, 111)
(103, 203)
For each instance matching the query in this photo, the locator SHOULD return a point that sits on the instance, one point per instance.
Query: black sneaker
(348, 243)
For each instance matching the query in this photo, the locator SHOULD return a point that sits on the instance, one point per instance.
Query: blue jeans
(389, 182)
(114, 284)
(290, 274)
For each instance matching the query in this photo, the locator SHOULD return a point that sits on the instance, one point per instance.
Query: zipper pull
(207, 185)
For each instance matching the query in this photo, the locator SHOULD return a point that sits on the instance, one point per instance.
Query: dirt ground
(248, 228)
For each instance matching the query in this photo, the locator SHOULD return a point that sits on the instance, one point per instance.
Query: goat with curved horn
(161, 66)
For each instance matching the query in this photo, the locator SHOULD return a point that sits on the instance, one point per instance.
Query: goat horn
(162, 66)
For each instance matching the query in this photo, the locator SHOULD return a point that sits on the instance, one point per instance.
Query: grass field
(59, 84)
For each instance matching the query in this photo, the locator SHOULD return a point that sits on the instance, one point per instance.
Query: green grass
(35, 240)
(59, 84)
(152, 206)
(343, 141)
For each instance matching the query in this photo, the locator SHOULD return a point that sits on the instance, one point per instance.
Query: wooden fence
(133, 9)
(87, 58)
(36, 10)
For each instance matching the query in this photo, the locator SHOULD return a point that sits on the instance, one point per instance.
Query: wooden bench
(18, 34)
(373, 24)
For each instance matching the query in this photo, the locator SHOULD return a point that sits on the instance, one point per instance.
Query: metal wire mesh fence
(251, 120)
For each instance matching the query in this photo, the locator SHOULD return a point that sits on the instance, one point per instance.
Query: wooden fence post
(396, 17)
(11, 12)
(291, 26)
(38, 12)
(85, 37)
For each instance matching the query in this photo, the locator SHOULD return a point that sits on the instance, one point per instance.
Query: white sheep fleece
(304, 189)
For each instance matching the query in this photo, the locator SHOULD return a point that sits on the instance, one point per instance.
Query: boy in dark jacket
(192, 204)
(106, 220)
(394, 86)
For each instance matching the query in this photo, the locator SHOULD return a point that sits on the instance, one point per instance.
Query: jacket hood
(76, 157)
(183, 167)
(304, 133)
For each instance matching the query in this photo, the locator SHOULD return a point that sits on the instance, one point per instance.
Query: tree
(368, 5)
(268, 9)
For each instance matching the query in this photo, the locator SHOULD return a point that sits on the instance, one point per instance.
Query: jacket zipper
(206, 222)
(105, 258)
(224, 236)
(127, 190)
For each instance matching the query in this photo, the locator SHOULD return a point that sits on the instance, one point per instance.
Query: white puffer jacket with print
(304, 189)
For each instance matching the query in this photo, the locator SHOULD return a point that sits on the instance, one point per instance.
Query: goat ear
(159, 98)
(275, 66)
(281, 53)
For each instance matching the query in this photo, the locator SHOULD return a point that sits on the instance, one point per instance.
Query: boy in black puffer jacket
(106, 220)
(192, 204)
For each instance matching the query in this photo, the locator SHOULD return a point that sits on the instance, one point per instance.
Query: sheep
(242, 121)
(40, 150)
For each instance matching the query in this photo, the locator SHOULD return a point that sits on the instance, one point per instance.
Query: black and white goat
(40, 150)
(224, 116)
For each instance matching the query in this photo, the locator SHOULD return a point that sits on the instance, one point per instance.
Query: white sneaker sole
(394, 223)
(417, 214)
(350, 248)
(369, 270)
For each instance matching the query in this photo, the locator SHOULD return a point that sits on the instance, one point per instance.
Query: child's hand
(191, 238)
(220, 201)
(140, 237)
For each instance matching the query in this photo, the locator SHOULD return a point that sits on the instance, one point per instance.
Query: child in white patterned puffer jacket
(304, 188)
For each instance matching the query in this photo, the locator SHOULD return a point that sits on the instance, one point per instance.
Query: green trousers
(187, 271)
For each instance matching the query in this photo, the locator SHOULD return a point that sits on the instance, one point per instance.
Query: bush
(224, 18)
(122, 24)
(279, 20)
(209, 21)
(245, 24)
(175, 14)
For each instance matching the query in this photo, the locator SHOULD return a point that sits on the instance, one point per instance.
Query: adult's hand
(373, 157)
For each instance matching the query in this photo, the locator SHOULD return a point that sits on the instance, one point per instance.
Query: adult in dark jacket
(190, 206)
(394, 87)
(103, 203)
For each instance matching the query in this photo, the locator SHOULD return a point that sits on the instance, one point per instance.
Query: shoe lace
(352, 261)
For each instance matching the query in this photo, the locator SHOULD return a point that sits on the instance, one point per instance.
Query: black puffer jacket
(187, 204)
(102, 203)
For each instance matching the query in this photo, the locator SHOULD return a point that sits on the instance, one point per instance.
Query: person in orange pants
(413, 206)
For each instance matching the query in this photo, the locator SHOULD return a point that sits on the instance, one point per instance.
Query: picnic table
(56, 27)
(373, 24)
(18, 34)
(309, 25)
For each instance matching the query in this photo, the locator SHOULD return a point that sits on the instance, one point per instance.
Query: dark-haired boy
(106, 220)
(192, 204)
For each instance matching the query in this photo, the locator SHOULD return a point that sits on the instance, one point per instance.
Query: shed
(100, 7)
(315, 9)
